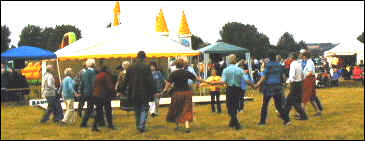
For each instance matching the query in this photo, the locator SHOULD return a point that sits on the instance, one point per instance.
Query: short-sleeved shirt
(232, 75)
(243, 81)
(309, 67)
(180, 79)
(273, 71)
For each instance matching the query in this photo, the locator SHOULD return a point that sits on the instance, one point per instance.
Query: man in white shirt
(295, 81)
(49, 92)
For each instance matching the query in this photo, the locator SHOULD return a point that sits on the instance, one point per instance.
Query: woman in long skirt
(181, 107)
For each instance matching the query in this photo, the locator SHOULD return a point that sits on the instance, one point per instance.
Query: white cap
(302, 51)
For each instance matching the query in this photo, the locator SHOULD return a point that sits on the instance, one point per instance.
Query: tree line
(48, 38)
(242, 35)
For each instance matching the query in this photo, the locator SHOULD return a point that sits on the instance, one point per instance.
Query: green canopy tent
(225, 49)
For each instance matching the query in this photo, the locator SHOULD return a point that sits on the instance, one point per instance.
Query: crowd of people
(140, 85)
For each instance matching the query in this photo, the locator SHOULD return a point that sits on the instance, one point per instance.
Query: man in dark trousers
(295, 81)
(86, 88)
(272, 80)
(232, 76)
(141, 89)
(101, 97)
(79, 97)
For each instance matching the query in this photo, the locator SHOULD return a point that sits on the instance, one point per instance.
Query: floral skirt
(181, 107)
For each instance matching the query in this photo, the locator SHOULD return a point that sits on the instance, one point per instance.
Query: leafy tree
(287, 44)
(302, 45)
(361, 37)
(5, 33)
(109, 25)
(61, 30)
(196, 42)
(31, 35)
(246, 36)
(49, 39)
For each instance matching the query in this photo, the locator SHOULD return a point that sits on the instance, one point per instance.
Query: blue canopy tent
(222, 48)
(19, 85)
(27, 53)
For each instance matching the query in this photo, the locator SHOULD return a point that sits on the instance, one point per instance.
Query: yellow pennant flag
(116, 14)
(161, 25)
(184, 27)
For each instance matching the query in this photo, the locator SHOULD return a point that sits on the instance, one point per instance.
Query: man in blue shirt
(273, 76)
(232, 76)
(246, 80)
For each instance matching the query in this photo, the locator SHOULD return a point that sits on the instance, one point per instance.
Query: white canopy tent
(347, 48)
(123, 41)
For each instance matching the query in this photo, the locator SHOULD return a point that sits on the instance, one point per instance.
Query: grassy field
(343, 118)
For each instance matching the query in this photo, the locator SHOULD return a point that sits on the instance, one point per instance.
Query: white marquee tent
(347, 48)
(123, 41)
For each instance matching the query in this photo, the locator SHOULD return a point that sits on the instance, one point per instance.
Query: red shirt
(288, 62)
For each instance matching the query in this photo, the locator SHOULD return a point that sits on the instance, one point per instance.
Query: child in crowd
(335, 77)
(214, 90)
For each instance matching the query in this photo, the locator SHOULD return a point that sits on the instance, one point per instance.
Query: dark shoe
(83, 126)
(231, 124)
(262, 123)
(43, 121)
(153, 115)
(95, 129)
(318, 114)
(142, 130)
(188, 130)
(237, 126)
(113, 128)
(57, 121)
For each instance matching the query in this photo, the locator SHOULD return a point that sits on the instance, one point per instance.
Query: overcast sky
(327, 21)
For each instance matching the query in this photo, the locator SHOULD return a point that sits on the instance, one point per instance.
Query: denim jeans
(58, 109)
(52, 108)
(141, 113)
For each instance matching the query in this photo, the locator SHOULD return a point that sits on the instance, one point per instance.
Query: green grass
(343, 118)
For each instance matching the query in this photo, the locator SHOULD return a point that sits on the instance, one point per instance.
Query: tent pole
(248, 58)
(58, 69)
